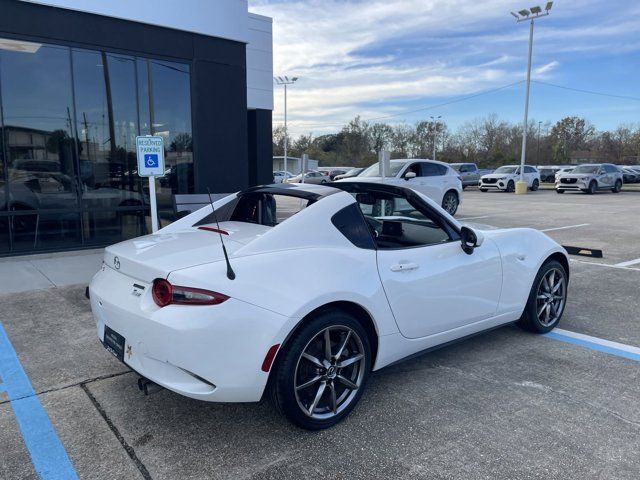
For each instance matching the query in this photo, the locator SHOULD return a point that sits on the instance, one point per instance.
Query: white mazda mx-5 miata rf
(302, 290)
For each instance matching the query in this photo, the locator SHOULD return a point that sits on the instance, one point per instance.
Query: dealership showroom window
(70, 117)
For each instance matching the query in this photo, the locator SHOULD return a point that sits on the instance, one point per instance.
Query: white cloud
(375, 57)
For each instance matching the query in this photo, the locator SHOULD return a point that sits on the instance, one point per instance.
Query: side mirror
(409, 175)
(470, 239)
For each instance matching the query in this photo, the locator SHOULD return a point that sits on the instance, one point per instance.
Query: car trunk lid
(155, 256)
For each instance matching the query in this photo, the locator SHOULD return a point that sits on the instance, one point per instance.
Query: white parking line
(629, 263)
(604, 265)
(475, 218)
(565, 227)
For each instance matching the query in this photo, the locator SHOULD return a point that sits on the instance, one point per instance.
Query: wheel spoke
(546, 313)
(309, 383)
(317, 398)
(545, 284)
(347, 382)
(557, 286)
(542, 297)
(344, 344)
(552, 278)
(327, 344)
(541, 309)
(313, 360)
(350, 360)
(334, 401)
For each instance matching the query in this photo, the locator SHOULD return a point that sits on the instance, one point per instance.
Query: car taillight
(166, 294)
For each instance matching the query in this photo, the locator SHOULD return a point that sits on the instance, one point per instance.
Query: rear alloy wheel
(450, 202)
(547, 299)
(323, 371)
(617, 187)
(511, 186)
(535, 185)
(592, 187)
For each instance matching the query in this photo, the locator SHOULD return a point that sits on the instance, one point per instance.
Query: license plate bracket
(114, 343)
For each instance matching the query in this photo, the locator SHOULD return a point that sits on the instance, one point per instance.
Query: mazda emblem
(116, 263)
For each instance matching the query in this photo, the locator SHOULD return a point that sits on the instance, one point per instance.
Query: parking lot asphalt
(505, 404)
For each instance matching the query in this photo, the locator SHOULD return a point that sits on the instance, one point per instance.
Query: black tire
(286, 371)
(529, 319)
(559, 191)
(593, 185)
(450, 202)
(511, 186)
(483, 189)
(617, 187)
(323, 181)
(535, 185)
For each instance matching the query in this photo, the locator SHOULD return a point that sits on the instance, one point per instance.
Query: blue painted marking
(48, 456)
(594, 346)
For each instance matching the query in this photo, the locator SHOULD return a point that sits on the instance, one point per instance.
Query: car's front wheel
(547, 299)
(592, 187)
(322, 371)
(511, 186)
(450, 202)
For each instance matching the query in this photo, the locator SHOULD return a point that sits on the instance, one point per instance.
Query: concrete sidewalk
(36, 272)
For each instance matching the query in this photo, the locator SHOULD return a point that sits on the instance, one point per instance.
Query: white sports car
(321, 285)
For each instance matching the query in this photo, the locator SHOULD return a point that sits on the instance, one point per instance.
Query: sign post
(150, 152)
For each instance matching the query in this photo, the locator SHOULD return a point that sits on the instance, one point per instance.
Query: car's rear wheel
(450, 202)
(322, 372)
(535, 185)
(617, 187)
(511, 186)
(547, 299)
(592, 187)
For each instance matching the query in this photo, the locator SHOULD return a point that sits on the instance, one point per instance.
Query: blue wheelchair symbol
(151, 160)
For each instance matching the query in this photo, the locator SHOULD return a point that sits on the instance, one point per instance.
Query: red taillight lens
(162, 292)
(166, 294)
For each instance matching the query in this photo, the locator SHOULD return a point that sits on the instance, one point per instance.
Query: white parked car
(589, 178)
(436, 180)
(322, 285)
(505, 178)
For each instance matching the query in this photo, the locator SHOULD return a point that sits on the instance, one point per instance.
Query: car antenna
(231, 275)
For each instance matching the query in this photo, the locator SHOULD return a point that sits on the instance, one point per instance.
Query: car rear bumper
(212, 353)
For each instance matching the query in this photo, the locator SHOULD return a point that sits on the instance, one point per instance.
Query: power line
(590, 92)
(421, 109)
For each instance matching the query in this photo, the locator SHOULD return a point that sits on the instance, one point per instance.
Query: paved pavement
(34, 272)
(505, 404)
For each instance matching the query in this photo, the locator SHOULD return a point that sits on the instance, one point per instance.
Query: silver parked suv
(589, 178)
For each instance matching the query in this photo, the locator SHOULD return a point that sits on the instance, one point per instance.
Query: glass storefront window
(68, 169)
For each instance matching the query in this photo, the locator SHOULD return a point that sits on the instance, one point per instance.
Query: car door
(432, 180)
(431, 285)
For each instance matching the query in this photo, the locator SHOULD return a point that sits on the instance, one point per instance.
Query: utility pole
(538, 155)
(434, 124)
(284, 80)
(521, 16)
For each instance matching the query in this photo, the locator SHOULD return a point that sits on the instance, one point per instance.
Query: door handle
(402, 267)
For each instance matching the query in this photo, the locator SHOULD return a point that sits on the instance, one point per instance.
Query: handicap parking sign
(151, 160)
(150, 156)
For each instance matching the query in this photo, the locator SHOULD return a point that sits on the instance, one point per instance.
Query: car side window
(415, 168)
(529, 170)
(398, 222)
(610, 169)
(433, 169)
(464, 169)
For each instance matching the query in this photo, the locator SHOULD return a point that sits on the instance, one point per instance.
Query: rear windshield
(269, 209)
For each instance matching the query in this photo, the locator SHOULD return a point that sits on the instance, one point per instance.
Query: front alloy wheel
(547, 299)
(322, 370)
(450, 202)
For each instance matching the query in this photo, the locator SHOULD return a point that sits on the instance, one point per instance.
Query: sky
(399, 61)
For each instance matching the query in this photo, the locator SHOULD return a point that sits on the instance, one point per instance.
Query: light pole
(285, 81)
(522, 16)
(433, 122)
(538, 154)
